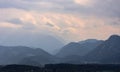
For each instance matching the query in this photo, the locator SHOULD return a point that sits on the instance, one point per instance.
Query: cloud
(8, 25)
(49, 24)
(84, 2)
(12, 4)
(70, 19)
(107, 8)
(115, 22)
(86, 7)
(15, 21)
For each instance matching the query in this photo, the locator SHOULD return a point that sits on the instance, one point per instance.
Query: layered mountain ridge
(79, 48)
(88, 51)
(107, 52)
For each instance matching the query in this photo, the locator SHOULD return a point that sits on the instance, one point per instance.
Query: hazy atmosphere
(50, 24)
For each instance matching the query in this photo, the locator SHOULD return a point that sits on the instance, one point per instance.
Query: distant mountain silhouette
(78, 48)
(23, 55)
(103, 52)
(107, 52)
(47, 42)
(88, 51)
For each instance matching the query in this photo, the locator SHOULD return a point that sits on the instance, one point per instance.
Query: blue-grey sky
(66, 20)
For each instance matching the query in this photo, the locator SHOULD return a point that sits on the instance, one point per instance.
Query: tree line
(62, 68)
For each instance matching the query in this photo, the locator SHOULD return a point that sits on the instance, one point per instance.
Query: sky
(66, 20)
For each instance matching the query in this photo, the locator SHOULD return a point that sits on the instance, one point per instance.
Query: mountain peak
(107, 52)
(114, 37)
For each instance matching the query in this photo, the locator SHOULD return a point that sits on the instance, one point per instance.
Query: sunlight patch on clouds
(28, 18)
(9, 25)
(84, 2)
(67, 26)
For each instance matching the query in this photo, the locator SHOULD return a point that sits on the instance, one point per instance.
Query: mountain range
(88, 51)
(23, 55)
(46, 42)
(107, 52)
(79, 48)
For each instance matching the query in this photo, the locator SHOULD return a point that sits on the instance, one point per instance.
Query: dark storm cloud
(39, 5)
(25, 25)
(107, 8)
(99, 8)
